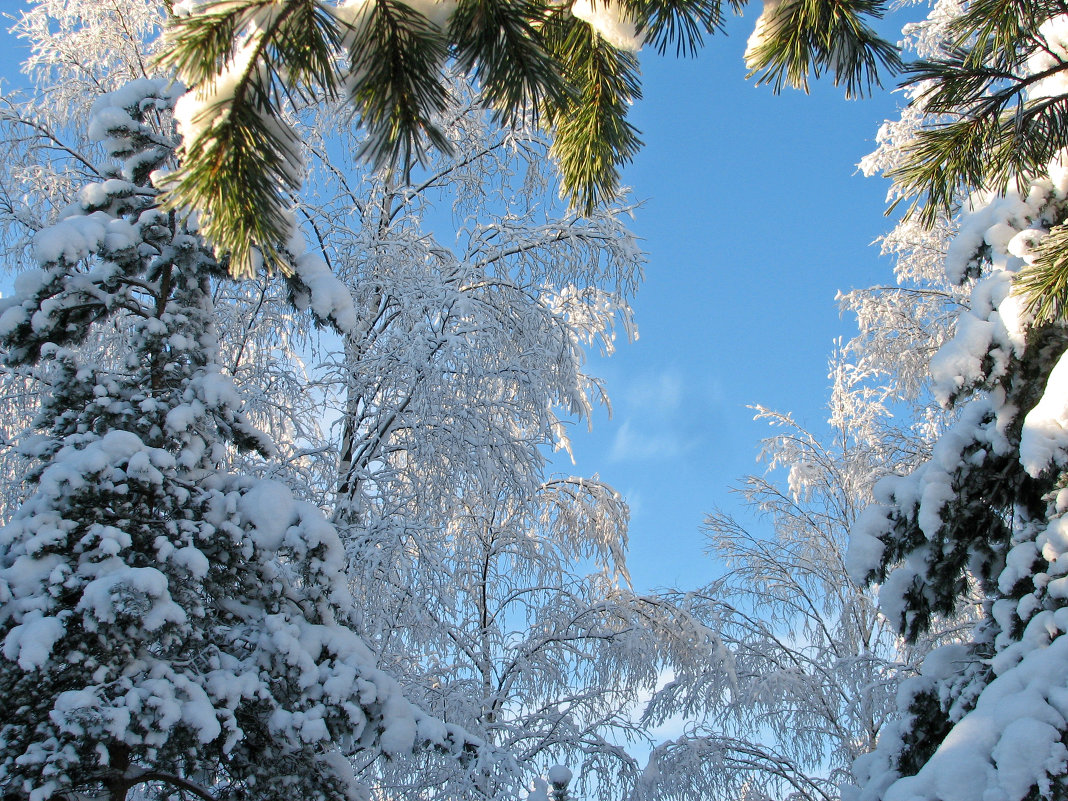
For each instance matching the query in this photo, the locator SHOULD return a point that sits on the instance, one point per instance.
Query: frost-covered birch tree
(493, 591)
(805, 669)
(499, 589)
(809, 669)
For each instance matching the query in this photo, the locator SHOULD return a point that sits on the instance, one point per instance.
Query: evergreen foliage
(996, 115)
(166, 625)
(246, 61)
(984, 515)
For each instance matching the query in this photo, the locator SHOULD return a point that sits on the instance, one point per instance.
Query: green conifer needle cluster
(992, 126)
(533, 60)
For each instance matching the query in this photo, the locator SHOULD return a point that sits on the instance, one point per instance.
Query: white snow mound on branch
(1044, 440)
(1010, 741)
(612, 21)
(558, 774)
(1051, 54)
(761, 31)
(327, 296)
(437, 11)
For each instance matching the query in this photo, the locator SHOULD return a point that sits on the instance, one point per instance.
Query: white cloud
(631, 444)
(659, 393)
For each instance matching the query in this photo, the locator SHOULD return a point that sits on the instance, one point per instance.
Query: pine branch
(682, 23)
(985, 131)
(592, 138)
(810, 37)
(241, 139)
(996, 28)
(997, 136)
(1044, 284)
(395, 87)
(245, 60)
(498, 42)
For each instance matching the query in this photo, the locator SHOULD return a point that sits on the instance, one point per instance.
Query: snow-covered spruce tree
(166, 625)
(78, 51)
(986, 719)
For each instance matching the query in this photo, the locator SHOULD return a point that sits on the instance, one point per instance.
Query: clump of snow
(1024, 244)
(437, 11)
(865, 547)
(352, 13)
(1007, 743)
(100, 195)
(72, 239)
(1052, 53)
(992, 221)
(399, 732)
(1016, 321)
(558, 774)
(138, 591)
(1018, 565)
(982, 343)
(1044, 440)
(107, 119)
(325, 295)
(193, 560)
(268, 506)
(894, 591)
(110, 120)
(765, 25)
(30, 643)
(539, 790)
(612, 22)
(945, 661)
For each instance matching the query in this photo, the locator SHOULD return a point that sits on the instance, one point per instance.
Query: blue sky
(754, 216)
